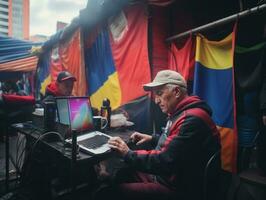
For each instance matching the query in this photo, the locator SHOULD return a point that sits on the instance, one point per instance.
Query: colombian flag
(117, 60)
(214, 82)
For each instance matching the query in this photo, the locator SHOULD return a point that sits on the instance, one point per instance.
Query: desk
(55, 152)
(34, 132)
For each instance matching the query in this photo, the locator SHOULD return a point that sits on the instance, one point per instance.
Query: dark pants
(135, 186)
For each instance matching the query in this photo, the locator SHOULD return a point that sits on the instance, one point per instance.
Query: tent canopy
(16, 57)
(14, 49)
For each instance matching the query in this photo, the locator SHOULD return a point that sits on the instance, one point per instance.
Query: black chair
(212, 173)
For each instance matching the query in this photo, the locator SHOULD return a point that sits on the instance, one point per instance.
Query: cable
(21, 153)
(19, 167)
(19, 158)
(30, 155)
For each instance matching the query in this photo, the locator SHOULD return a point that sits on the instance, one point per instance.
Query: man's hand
(264, 120)
(117, 144)
(140, 138)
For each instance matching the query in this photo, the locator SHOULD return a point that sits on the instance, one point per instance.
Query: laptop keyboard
(94, 142)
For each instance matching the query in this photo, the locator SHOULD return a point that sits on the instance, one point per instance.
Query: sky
(45, 13)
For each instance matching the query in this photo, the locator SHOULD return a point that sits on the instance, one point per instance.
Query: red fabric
(12, 100)
(55, 68)
(183, 60)
(72, 58)
(234, 157)
(53, 90)
(130, 54)
(160, 24)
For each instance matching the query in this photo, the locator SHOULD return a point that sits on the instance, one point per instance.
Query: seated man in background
(63, 86)
(174, 169)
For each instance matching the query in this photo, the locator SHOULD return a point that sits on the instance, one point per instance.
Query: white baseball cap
(166, 77)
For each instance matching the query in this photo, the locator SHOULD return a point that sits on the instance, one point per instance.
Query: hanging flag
(183, 61)
(249, 66)
(117, 62)
(72, 59)
(43, 77)
(214, 82)
(63, 56)
(101, 74)
(249, 70)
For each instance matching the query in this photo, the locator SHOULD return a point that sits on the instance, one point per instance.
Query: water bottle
(106, 111)
(49, 115)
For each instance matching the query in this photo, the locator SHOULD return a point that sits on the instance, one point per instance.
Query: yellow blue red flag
(117, 59)
(214, 82)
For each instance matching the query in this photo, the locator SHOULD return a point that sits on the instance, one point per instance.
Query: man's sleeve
(182, 142)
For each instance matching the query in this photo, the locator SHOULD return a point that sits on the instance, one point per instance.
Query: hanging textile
(16, 58)
(249, 66)
(183, 61)
(64, 56)
(72, 58)
(117, 61)
(214, 82)
(159, 24)
(250, 77)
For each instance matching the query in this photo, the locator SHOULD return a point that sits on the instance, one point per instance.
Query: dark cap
(65, 75)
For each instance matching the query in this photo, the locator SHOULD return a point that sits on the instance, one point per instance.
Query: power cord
(21, 153)
(18, 156)
(25, 174)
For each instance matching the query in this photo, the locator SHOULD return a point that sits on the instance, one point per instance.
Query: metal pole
(241, 5)
(218, 22)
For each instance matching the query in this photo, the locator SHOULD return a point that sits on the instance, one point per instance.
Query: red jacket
(181, 154)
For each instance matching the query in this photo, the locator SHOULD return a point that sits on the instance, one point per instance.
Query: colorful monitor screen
(75, 112)
(80, 114)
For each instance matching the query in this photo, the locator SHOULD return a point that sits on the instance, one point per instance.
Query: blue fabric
(54, 39)
(43, 69)
(98, 70)
(14, 49)
(216, 98)
(248, 128)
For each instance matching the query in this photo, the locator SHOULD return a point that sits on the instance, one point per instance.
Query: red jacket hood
(191, 102)
(52, 89)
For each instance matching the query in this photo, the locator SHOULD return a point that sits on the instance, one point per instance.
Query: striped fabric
(27, 64)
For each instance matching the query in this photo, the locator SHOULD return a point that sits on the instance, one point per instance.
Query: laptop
(76, 113)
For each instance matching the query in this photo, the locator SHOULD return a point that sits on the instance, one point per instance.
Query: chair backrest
(212, 173)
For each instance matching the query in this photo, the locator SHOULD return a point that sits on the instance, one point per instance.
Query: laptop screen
(80, 114)
(75, 112)
(62, 110)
